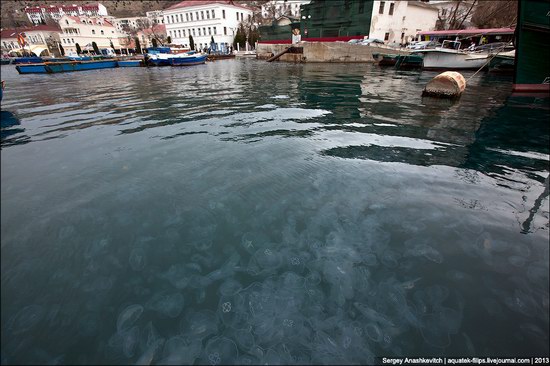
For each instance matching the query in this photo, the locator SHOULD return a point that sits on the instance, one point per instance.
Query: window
(207, 14)
(386, 36)
(214, 30)
(237, 16)
(102, 32)
(202, 15)
(72, 39)
(172, 18)
(209, 31)
(183, 32)
(179, 33)
(223, 14)
(402, 35)
(66, 21)
(197, 15)
(391, 8)
(381, 9)
(225, 31)
(187, 16)
(204, 31)
(93, 31)
(191, 16)
(213, 14)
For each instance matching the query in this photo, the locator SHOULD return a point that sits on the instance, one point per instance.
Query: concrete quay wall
(324, 52)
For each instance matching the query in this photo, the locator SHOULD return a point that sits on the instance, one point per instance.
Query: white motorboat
(453, 58)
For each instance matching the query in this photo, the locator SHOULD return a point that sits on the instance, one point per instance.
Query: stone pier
(325, 52)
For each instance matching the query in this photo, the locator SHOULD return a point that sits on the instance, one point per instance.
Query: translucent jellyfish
(252, 241)
(492, 307)
(199, 325)
(522, 303)
(151, 352)
(243, 337)
(178, 276)
(373, 332)
(220, 351)
(390, 258)
(373, 315)
(128, 317)
(433, 332)
(470, 350)
(201, 236)
(130, 340)
(181, 351)
(369, 259)
(267, 258)
(537, 273)
(517, 260)
(230, 287)
(26, 318)
(97, 248)
(88, 325)
(137, 258)
(169, 304)
(233, 312)
(292, 281)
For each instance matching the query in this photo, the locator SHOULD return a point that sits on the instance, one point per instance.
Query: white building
(36, 39)
(40, 13)
(400, 21)
(123, 23)
(277, 8)
(85, 30)
(204, 19)
(156, 16)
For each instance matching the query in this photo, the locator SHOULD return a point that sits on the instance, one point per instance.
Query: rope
(485, 64)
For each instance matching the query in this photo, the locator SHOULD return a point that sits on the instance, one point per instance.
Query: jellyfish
(169, 304)
(151, 352)
(26, 318)
(181, 351)
(128, 317)
(199, 325)
(138, 258)
(220, 351)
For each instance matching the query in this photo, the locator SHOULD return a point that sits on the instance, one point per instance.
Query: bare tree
(495, 14)
(456, 16)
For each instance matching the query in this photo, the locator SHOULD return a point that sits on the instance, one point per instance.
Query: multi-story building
(40, 13)
(126, 23)
(38, 39)
(278, 8)
(156, 16)
(400, 21)
(390, 21)
(86, 30)
(203, 20)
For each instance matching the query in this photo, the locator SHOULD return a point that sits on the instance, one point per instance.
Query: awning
(468, 32)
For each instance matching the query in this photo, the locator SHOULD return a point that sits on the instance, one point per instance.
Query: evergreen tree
(191, 42)
(240, 37)
(78, 49)
(96, 49)
(154, 42)
(62, 50)
(169, 39)
(112, 46)
(138, 45)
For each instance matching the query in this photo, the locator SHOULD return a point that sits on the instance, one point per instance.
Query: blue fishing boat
(130, 63)
(31, 68)
(28, 60)
(188, 60)
(58, 67)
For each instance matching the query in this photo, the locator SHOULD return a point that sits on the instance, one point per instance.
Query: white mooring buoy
(449, 84)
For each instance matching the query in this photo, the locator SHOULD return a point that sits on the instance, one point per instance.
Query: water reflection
(8, 130)
(246, 212)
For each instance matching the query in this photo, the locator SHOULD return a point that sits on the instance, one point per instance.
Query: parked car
(423, 45)
(370, 41)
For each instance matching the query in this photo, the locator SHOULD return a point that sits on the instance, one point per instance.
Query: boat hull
(440, 60)
(409, 62)
(59, 67)
(130, 63)
(31, 69)
(188, 61)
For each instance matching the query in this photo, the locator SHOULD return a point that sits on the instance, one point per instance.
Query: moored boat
(503, 62)
(385, 59)
(129, 63)
(59, 67)
(31, 68)
(443, 58)
(188, 60)
(28, 60)
(409, 61)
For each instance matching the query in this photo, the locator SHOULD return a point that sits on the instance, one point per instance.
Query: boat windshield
(454, 45)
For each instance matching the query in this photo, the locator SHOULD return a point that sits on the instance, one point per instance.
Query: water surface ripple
(241, 212)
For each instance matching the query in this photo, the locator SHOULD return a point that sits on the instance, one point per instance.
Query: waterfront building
(203, 20)
(122, 24)
(40, 13)
(146, 36)
(36, 38)
(278, 8)
(85, 30)
(390, 21)
(156, 16)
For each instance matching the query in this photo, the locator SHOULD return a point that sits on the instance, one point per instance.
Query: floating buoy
(449, 84)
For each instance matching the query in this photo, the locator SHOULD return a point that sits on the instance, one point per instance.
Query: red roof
(11, 32)
(468, 32)
(33, 10)
(94, 21)
(190, 3)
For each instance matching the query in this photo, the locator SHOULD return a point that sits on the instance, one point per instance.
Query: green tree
(138, 45)
(78, 49)
(112, 45)
(240, 37)
(191, 42)
(169, 39)
(154, 42)
(96, 49)
(61, 50)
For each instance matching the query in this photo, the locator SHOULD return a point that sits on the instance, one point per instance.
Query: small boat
(31, 68)
(189, 59)
(5, 61)
(158, 59)
(385, 59)
(503, 62)
(446, 57)
(28, 60)
(58, 67)
(406, 62)
(129, 63)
